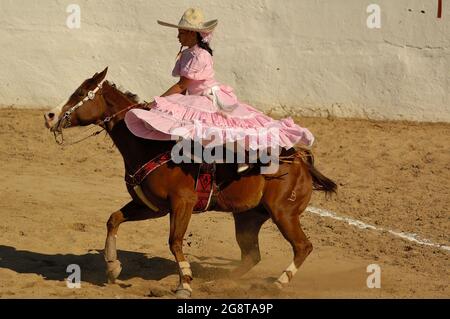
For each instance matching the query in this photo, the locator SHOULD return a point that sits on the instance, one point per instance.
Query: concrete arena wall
(296, 57)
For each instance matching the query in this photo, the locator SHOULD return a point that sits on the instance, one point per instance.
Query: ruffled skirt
(196, 117)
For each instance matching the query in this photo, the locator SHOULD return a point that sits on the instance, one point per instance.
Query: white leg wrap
(185, 268)
(284, 278)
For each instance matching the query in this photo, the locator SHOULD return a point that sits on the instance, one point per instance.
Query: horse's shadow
(92, 265)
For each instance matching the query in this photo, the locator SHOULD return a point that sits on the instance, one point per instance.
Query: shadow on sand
(92, 264)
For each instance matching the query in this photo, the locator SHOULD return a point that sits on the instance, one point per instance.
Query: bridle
(65, 121)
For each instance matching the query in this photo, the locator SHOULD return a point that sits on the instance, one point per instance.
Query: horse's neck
(115, 100)
(136, 151)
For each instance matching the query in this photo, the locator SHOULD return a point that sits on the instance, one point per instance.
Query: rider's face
(187, 38)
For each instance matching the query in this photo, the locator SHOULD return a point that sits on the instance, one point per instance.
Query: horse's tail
(320, 181)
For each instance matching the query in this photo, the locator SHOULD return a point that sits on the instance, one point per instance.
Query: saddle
(205, 185)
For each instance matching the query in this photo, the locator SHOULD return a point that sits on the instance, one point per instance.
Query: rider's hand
(149, 105)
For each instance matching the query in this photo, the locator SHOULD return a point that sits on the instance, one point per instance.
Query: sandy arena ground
(54, 203)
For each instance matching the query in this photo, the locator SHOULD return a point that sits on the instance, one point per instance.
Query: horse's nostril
(51, 115)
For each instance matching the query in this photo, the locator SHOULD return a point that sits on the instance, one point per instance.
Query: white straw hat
(193, 20)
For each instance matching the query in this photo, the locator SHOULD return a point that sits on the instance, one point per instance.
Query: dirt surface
(55, 201)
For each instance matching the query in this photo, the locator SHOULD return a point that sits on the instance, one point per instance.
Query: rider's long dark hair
(203, 45)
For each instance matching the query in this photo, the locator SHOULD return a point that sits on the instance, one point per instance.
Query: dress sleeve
(176, 69)
(196, 65)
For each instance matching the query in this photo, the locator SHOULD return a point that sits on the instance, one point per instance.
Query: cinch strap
(138, 190)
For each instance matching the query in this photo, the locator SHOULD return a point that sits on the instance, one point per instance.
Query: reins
(300, 153)
(59, 137)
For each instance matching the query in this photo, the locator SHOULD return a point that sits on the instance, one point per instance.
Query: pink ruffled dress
(210, 112)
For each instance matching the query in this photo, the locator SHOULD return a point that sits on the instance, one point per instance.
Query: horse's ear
(100, 76)
(103, 73)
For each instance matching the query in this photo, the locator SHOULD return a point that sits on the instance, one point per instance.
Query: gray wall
(297, 57)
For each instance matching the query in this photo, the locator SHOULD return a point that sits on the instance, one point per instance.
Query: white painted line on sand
(408, 236)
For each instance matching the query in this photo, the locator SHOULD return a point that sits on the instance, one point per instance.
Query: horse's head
(85, 106)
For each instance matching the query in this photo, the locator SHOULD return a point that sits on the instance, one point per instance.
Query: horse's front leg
(182, 207)
(130, 212)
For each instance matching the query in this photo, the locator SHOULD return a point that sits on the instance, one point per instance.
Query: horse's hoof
(113, 269)
(183, 293)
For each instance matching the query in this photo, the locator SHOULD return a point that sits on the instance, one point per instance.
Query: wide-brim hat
(193, 20)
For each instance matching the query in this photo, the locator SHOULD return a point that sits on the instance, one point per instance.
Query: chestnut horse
(252, 198)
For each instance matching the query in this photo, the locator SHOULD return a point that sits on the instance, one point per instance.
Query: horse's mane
(133, 97)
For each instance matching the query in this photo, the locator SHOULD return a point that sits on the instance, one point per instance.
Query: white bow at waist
(222, 97)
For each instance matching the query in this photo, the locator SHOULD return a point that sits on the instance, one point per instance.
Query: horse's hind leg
(286, 200)
(130, 212)
(247, 225)
(289, 225)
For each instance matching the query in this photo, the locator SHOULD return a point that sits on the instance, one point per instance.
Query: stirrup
(242, 167)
